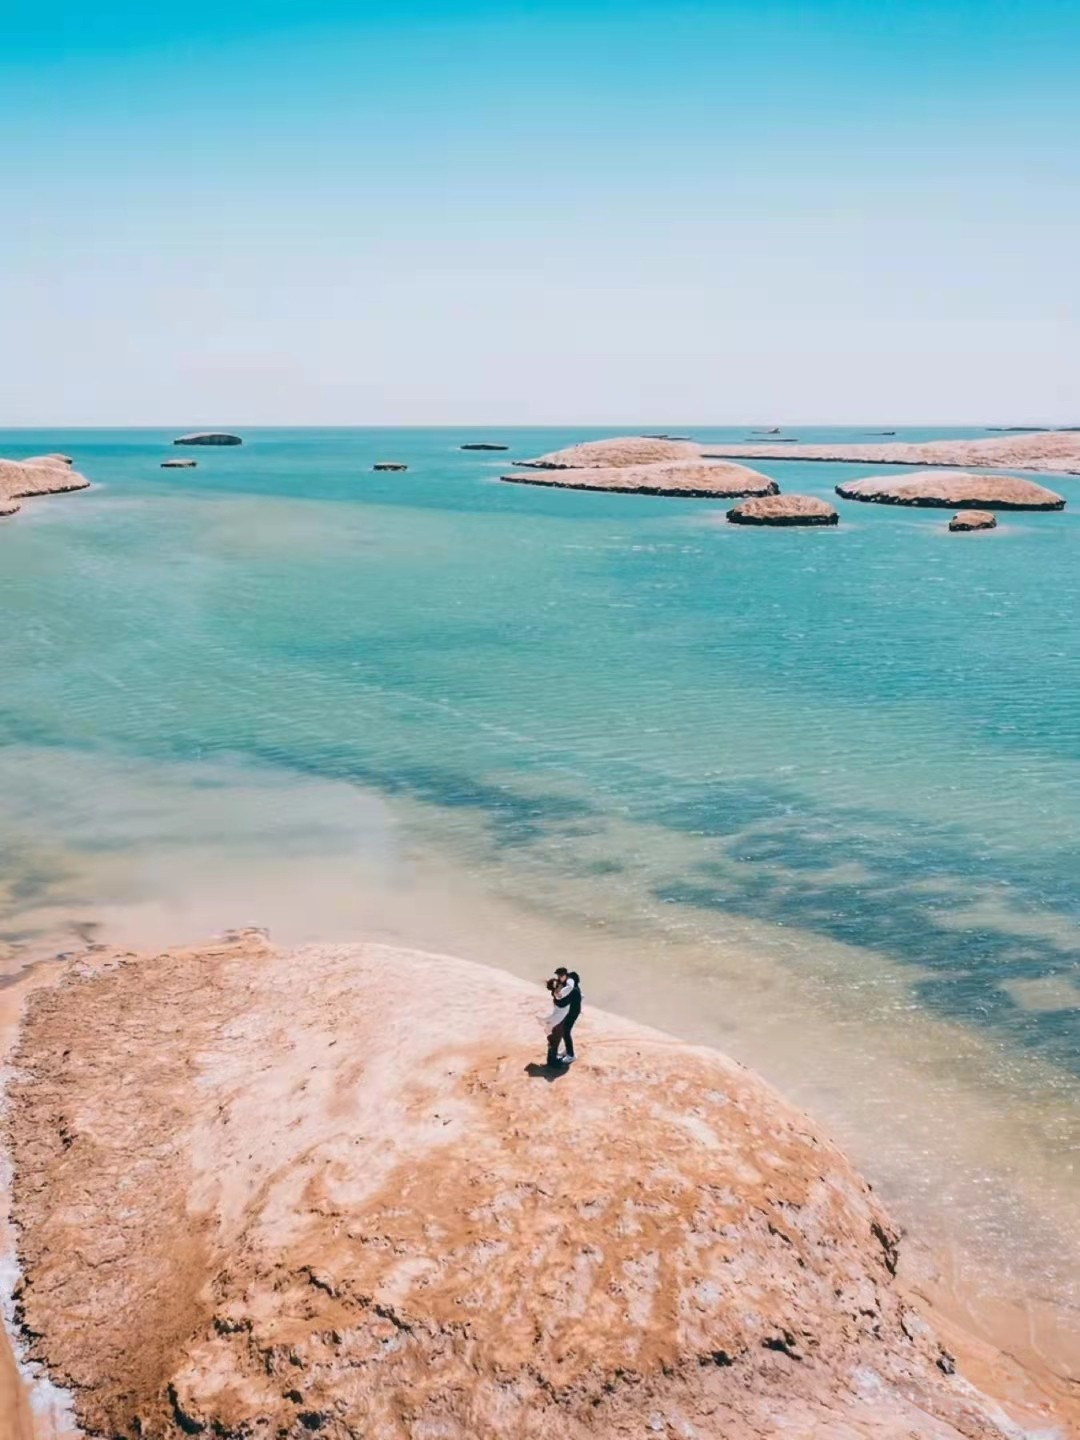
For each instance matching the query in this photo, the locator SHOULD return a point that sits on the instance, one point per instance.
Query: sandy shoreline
(1024, 1381)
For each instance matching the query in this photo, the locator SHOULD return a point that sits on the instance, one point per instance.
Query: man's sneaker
(567, 1059)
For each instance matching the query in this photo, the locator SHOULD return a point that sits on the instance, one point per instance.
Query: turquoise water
(866, 738)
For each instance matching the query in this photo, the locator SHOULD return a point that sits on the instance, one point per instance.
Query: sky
(233, 212)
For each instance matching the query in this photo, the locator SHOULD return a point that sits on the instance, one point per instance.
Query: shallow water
(813, 796)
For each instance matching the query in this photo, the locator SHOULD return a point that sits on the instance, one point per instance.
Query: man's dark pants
(554, 1036)
(567, 1027)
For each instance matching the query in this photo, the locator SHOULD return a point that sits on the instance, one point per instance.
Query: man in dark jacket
(573, 1004)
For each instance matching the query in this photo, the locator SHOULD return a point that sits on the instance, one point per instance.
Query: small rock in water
(389, 465)
(973, 520)
(783, 510)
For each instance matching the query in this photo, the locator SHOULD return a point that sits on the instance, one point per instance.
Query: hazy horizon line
(188, 428)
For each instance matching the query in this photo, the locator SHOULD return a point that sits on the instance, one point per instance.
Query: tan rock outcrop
(973, 520)
(947, 490)
(1045, 450)
(61, 460)
(179, 464)
(784, 510)
(43, 475)
(689, 478)
(262, 1193)
(625, 450)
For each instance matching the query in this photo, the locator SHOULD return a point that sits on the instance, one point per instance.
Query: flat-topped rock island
(784, 510)
(947, 490)
(1041, 450)
(694, 479)
(965, 520)
(208, 437)
(616, 453)
(641, 465)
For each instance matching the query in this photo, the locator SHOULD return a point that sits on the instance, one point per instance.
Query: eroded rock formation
(783, 510)
(42, 475)
(272, 1194)
(1044, 450)
(947, 490)
(620, 452)
(973, 520)
(688, 478)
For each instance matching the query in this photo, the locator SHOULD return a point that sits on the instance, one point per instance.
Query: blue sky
(438, 213)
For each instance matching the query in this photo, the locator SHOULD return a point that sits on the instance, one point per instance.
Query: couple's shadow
(550, 1073)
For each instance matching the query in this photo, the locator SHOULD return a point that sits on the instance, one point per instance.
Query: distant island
(946, 490)
(1043, 450)
(208, 437)
(689, 479)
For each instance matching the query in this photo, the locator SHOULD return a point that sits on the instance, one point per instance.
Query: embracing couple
(565, 988)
